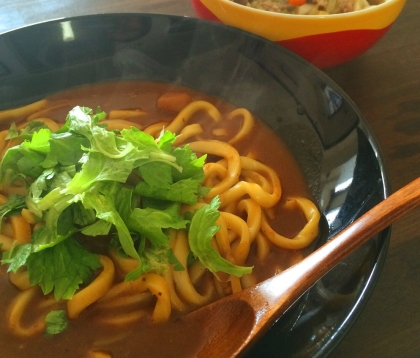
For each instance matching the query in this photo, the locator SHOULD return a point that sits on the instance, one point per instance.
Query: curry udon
(248, 216)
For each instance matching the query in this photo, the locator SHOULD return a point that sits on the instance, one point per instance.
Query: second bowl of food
(324, 32)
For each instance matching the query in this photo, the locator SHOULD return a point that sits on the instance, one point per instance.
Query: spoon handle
(272, 297)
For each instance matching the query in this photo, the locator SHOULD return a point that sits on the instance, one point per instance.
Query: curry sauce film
(143, 337)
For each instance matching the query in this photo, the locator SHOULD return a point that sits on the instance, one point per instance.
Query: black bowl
(335, 147)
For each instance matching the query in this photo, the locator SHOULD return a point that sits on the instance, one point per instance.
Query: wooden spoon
(235, 322)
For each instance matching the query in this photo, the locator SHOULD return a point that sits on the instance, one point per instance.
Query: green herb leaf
(66, 148)
(15, 203)
(156, 174)
(174, 261)
(58, 226)
(39, 141)
(101, 200)
(192, 167)
(13, 132)
(202, 229)
(151, 222)
(62, 268)
(25, 133)
(97, 167)
(98, 228)
(56, 322)
(184, 191)
(154, 258)
(16, 256)
(82, 121)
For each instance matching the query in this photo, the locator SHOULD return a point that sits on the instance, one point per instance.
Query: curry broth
(144, 338)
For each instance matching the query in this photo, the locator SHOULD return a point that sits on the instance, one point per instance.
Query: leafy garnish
(56, 322)
(150, 222)
(89, 180)
(62, 268)
(174, 261)
(16, 256)
(31, 127)
(14, 204)
(157, 259)
(202, 229)
(103, 204)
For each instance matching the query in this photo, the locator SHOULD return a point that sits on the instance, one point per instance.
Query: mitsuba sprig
(87, 179)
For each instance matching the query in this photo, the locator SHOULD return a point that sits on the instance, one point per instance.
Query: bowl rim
(372, 8)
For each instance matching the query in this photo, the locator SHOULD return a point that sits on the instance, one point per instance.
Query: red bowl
(324, 40)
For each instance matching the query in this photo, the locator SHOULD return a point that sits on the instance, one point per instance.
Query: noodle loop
(93, 292)
(306, 236)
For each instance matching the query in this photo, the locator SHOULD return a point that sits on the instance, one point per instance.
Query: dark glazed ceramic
(320, 124)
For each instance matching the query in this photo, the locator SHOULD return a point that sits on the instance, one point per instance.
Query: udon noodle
(310, 7)
(251, 195)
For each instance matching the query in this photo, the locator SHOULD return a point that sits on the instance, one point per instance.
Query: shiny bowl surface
(324, 40)
(320, 124)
